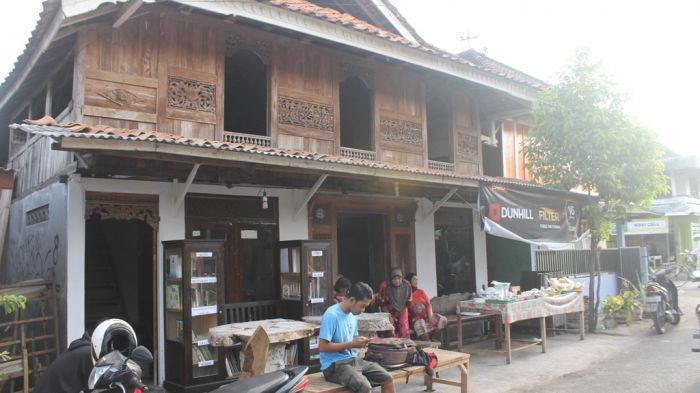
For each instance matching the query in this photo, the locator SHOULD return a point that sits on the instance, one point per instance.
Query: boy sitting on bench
(338, 337)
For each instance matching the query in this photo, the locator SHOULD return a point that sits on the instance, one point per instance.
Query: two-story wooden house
(251, 122)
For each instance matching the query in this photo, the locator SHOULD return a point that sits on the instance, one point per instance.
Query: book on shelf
(173, 300)
(179, 330)
(174, 266)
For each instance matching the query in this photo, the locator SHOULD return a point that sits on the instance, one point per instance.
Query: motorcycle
(288, 380)
(115, 372)
(661, 301)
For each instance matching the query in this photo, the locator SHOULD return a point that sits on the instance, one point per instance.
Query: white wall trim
(75, 259)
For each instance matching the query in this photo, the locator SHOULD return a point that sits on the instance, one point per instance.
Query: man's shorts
(357, 374)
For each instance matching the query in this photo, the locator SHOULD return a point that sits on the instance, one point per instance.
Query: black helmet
(113, 334)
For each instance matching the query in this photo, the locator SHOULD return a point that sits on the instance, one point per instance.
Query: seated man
(339, 336)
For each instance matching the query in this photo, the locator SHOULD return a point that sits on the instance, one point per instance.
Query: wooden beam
(311, 193)
(194, 154)
(126, 13)
(188, 184)
(441, 202)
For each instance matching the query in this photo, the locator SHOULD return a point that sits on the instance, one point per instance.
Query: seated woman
(427, 325)
(340, 289)
(394, 298)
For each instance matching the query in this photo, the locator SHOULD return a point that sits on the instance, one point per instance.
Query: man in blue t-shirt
(339, 336)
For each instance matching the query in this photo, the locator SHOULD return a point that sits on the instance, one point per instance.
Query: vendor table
(539, 308)
(280, 332)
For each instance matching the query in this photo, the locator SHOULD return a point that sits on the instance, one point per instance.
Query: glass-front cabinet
(193, 303)
(306, 285)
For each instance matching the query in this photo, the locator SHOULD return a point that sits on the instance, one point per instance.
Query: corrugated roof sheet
(49, 127)
(495, 67)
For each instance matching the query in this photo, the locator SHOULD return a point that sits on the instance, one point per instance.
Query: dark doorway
(119, 275)
(361, 251)
(439, 135)
(355, 114)
(245, 100)
(454, 251)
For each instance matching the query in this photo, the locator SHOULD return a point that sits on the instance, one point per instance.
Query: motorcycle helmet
(113, 334)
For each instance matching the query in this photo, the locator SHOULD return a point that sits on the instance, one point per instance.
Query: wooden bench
(252, 311)
(446, 360)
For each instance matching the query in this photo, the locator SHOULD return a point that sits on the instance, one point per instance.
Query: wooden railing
(443, 166)
(250, 139)
(357, 153)
(252, 311)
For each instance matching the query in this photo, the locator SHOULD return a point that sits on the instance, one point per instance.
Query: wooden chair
(255, 353)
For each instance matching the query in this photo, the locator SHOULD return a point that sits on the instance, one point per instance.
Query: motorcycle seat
(258, 384)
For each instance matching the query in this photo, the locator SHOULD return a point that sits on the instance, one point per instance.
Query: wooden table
(446, 360)
(539, 308)
(280, 332)
(484, 315)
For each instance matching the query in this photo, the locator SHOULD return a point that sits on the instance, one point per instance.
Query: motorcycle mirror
(141, 355)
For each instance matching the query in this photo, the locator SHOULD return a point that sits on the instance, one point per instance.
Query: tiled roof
(306, 8)
(49, 127)
(495, 67)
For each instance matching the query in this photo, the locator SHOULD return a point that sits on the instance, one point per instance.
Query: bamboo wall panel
(37, 163)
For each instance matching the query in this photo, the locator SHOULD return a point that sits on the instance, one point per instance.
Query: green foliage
(612, 304)
(12, 303)
(582, 139)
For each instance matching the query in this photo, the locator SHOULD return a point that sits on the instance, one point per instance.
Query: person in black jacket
(69, 373)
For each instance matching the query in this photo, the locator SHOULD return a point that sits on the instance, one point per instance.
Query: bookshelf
(193, 303)
(306, 286)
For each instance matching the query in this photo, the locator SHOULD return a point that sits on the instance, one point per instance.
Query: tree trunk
(593, 267)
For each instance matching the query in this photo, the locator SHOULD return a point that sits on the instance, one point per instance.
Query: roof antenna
(469, 39)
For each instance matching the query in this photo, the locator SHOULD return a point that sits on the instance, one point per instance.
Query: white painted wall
(425, 248)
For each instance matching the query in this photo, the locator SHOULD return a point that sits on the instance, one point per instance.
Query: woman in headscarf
(427, 325)
(394, 298)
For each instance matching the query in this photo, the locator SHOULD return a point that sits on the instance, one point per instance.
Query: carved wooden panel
(401, 131)
(236, 41)
(305, 114)
(127, 94)
(122, 207)
(191, 94)
(468, 147)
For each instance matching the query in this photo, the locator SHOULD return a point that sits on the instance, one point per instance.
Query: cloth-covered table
(538, 308)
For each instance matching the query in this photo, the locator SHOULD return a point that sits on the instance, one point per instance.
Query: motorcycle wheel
(660, 319)
(676, 317)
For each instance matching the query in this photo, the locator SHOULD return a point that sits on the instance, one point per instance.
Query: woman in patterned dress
(427, 325)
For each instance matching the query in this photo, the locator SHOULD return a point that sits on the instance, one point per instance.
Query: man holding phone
(338, 338)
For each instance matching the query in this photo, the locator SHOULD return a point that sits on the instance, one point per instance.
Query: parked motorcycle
(661, 301)
(288, 380)
(116, 373)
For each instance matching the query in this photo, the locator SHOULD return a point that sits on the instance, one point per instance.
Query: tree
(582, 139)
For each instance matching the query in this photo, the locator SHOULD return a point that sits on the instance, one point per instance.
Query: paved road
(656, 363)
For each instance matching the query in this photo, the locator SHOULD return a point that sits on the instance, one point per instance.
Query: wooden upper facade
(206, 76)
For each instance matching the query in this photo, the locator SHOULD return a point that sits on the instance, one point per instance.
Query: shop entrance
(454, 251)
(361, 247)
(120, 263)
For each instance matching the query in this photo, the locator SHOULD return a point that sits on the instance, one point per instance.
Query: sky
(649, 47)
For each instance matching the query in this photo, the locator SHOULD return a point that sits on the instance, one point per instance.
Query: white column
(425, 248)
(480, 263)
(75, 259)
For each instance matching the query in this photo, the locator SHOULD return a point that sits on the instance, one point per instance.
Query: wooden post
(543, 333)
(506, 326)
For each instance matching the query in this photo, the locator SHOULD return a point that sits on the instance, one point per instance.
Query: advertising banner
(535, 215)
(647, 226)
